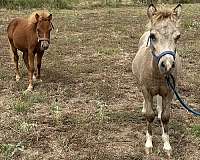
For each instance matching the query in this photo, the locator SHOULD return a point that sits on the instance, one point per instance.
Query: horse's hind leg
(16, 59)
(164, 123)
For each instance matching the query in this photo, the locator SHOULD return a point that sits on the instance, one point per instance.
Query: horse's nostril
(162, 64)
(173, 65)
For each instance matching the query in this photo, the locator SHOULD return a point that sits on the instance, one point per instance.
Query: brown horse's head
(43, 29)
(164, 34)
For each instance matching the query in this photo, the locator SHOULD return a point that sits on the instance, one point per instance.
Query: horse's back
(15, 23)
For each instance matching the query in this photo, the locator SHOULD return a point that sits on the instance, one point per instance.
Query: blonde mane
(42, 14)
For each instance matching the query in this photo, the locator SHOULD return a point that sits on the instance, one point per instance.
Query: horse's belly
(20, 43)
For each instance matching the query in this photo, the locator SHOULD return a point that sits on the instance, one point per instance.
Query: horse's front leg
(30, 70)
(164, 123)
(150, 115)
(39, 62)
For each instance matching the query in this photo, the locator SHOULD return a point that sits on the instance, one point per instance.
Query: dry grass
(88, 106)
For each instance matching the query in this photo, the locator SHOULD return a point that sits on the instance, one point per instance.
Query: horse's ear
(37, 17)
(50, 17)
(177, 10)
(151, 11)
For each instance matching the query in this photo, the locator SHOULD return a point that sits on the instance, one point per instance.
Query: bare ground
(88, 106)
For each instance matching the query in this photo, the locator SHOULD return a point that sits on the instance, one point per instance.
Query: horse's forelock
(43, 15)
(164, 13)
(161, 15)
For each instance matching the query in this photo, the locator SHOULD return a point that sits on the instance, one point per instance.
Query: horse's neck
(31, 27)
(153, 67)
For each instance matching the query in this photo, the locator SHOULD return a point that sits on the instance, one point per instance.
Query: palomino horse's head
(164, 35)
(43, 29)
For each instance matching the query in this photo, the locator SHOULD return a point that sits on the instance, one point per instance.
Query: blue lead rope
(173, 87)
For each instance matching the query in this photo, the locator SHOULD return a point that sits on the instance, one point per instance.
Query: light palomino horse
(31, 36)
(155, 59)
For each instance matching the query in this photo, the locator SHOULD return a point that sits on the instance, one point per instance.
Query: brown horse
(32, 37)
(156, 59)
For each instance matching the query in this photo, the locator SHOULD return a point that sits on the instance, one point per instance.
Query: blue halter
(157, 58)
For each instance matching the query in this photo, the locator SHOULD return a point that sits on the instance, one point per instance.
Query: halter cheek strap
(42, 38)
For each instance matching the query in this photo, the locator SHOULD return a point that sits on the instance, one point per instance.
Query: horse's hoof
(39, 79)
(148, 150)
(17, 78)
(34, 78)
(29, 89)
(168, 152)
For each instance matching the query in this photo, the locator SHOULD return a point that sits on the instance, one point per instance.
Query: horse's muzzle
(44, 45)
(166, 64)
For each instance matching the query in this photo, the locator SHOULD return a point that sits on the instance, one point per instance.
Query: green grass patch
(108, 51)
(25, 127)
(21, 106)
(8, 150)
(191, 24)
(26, 100)
(196, 130)
(56, 110)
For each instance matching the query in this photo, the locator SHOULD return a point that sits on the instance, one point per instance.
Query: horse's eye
(152, 37)
(177, 37)
(50, 28)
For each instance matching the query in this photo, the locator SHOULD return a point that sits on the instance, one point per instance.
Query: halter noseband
(42, 39)
(162, 54)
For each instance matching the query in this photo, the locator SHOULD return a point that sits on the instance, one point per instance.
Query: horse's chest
(155, 85)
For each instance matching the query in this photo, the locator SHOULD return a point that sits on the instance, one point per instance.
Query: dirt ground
(88, 107)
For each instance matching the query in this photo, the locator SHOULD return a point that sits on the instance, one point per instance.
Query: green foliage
(15, 4)
(70, 4)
